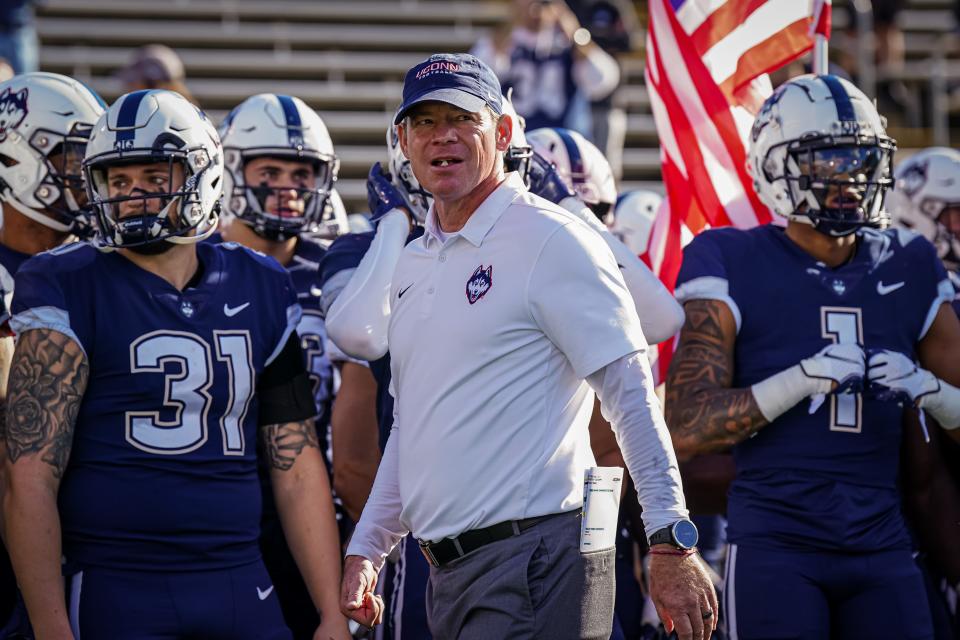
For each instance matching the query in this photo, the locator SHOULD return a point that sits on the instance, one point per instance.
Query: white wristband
(944, 405)
(780, 392)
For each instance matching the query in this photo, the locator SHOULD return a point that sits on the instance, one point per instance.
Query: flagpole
(821, 61)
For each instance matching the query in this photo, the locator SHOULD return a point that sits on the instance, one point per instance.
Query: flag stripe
(721, 23)
(771, 54)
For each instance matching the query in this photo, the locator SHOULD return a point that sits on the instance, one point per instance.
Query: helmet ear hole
(8, 161)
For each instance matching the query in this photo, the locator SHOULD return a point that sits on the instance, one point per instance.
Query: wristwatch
(681, 534)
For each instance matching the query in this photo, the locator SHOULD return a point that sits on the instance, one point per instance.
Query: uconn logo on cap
(438, 67)
(479, 283)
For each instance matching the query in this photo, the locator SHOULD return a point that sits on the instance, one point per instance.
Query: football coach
(506, 316)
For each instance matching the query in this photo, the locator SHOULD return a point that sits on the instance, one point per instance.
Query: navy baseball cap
(459, 79)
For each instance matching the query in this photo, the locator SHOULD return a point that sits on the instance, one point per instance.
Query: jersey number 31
(187, 391)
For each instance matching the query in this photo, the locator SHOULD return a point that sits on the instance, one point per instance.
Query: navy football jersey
(542, 82)
(163, 470)
(346, 252)
(826, 480)
(313, 335)
(10, 262)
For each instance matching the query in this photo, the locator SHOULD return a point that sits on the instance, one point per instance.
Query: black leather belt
(449, 549)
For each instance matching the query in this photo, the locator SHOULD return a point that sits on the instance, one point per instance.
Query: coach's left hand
(683, 594)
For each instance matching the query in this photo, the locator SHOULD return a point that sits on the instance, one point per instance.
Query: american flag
(707, 62)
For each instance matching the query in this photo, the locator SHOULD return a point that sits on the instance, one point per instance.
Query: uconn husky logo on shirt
(479, 283)
(13, 109)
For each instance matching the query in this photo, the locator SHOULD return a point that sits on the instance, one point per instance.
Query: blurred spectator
(888, 36)
(18, 35)
(6, 71)
(155, 66)
(889, 54)
(551, 63)
(613, 25)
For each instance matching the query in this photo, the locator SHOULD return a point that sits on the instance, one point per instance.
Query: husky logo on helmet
(479, 283)
(912, 179)
(765, 115)
(13, 109)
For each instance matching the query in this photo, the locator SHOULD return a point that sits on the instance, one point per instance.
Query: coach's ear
(504, 131)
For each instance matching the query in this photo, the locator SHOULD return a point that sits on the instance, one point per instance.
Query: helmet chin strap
(37, 216)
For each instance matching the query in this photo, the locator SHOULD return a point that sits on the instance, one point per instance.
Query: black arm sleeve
(284, 390)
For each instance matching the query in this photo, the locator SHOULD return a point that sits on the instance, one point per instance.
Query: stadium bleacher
(347, 59)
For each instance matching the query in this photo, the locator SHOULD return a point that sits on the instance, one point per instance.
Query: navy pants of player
(810, 595)
(533, 585)
(232, 604)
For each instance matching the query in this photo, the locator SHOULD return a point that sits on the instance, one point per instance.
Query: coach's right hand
(357, 600)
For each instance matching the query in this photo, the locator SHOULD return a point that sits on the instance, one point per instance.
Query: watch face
(685, 534)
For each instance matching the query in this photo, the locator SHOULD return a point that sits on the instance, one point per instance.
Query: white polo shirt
(492, 332)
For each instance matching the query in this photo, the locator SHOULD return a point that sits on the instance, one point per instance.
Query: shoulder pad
(65, 258)
(242, 252)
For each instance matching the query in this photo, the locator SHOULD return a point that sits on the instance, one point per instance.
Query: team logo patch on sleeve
(479, 283)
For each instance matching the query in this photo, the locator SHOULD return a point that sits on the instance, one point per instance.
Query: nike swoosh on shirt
(232, 311)
(883, 289)
(263, 595)
(403, 291)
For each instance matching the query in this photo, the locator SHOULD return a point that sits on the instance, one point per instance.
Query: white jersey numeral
(187, 390)
(844, 325)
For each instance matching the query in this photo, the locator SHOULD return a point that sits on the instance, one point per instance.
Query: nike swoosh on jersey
(884, 289)
(263, 595)
(232, 311)
(403, 291)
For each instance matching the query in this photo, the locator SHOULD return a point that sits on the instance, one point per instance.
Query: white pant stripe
(730, 593)
(76, 584)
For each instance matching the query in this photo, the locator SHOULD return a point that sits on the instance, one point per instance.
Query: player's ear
(402, 137)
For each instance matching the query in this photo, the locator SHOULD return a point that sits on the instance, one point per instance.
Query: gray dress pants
(534, 585)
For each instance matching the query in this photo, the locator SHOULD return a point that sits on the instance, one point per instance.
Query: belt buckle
(428, 554)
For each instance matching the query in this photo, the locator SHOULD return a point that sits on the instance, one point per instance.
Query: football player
(45, 120)
(279, 172)
(150, 373)
(799, 351)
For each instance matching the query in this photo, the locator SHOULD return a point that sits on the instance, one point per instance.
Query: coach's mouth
(445, 162)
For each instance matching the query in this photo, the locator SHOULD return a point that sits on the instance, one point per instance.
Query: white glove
(837, 368)
(894, 376)
(839, 364)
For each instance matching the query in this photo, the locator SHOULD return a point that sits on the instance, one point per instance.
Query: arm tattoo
(48, 377)
(702, 411)
(282, 443)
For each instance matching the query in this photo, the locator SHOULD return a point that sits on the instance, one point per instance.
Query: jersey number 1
(844, 325)
(187, 391)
